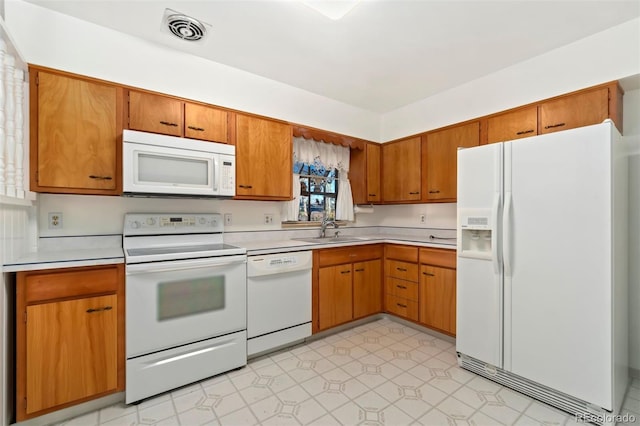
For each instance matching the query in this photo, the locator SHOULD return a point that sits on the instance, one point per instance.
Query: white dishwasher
(278, 300)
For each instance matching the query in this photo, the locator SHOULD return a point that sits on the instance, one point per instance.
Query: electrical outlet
(228, 219)
(55, 220)
(423, 218)
(268, 218)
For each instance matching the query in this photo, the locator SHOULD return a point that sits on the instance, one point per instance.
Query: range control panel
(172, 223)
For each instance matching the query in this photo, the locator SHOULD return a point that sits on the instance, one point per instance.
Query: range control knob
(135, 224)
(202, 221)
(151, 221)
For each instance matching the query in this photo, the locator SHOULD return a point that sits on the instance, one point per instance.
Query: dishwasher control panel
(279, 263)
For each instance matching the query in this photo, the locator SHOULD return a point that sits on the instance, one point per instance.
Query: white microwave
(158, 165)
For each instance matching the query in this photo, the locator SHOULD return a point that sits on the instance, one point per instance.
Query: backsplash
(103, 215)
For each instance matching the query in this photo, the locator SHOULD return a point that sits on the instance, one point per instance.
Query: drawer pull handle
(373, 195)
(246, 186)
(104, 308)
(168, 123)
(524, 132)
(402, 269)
(197, 129)
(401, 305)
(360, 270)
(429, 274)
(434, 191)
(100, 177)
(551, 126)
(346, 272)
(404, 287)
(414, 193)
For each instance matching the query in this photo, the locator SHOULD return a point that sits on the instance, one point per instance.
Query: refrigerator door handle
(494, 232)
(506, 229)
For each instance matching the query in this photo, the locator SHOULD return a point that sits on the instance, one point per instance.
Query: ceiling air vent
(184, 27)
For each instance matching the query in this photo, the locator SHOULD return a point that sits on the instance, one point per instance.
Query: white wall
(610, 55)
(59, 41)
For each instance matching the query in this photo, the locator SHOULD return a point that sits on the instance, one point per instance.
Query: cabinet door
(155, 114)
(335, 295)
(71, 349)
(513, 125)
(264, 164)
(373, 173)
(367, 288)
(581, 109)
(401, 169)
(438, 298)
(206, 123)
(75, 139)
(440, 159)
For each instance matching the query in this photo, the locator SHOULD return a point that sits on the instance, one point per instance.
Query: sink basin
(329, 240)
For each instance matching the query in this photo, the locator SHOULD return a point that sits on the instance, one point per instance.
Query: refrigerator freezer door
(479, 280)
(558, 300)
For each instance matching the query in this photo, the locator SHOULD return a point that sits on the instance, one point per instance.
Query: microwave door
(163, 170)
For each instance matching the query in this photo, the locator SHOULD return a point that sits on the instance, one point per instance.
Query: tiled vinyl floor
(380, 373)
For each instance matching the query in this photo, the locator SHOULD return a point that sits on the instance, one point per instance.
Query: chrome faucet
(326, 222)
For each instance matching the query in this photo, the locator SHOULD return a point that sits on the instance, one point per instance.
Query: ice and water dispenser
(475, 237)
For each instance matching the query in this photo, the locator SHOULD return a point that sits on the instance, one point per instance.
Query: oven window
(164, 169)
(189, 297)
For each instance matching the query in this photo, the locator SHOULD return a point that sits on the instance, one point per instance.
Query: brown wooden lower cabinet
(347, 284)
(438, 289)
(69, 337)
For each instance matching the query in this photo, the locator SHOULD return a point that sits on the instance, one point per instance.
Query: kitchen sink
(329, 240)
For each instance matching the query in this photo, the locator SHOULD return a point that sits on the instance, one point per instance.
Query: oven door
(166, 170)
(173, 303)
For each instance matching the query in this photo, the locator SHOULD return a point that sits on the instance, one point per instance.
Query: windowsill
(291, 224)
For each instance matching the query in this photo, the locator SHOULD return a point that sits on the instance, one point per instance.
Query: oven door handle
(181, 265)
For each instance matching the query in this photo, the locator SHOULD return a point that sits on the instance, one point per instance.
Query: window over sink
(318, 192)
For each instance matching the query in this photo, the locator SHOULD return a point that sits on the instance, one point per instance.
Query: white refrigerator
(542, 267)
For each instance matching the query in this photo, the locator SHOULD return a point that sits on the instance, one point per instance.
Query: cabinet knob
(197, 129)
(346, 272)
(414, 193)
(100, 177)
(404, 287)
(246, 186)
(428, 274)
(524, 132)
(360, 270)
(168, 123)
(401, 305)
(551, 126)
(434, 191)
(402, 269)
(373, 195)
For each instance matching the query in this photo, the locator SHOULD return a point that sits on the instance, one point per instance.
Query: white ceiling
(383, 55)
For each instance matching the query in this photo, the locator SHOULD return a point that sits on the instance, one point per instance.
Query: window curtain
(330, 157)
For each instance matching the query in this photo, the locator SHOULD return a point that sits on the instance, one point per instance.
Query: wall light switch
(228, 219)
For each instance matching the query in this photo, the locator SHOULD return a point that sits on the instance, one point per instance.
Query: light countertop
(51, 259)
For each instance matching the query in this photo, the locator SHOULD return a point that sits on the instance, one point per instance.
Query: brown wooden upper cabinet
(170, 116)
(364, 174)
(401, 170)
(439, 161)
(512, 125)
(264, 159)
(75, 124)
(582, 108)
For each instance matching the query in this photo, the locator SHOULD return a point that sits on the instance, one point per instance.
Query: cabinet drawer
(438, 257)
(337, 256)
(401, 288)
(72, 282)
(402, 307)
(403, 270)
(398, 252)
